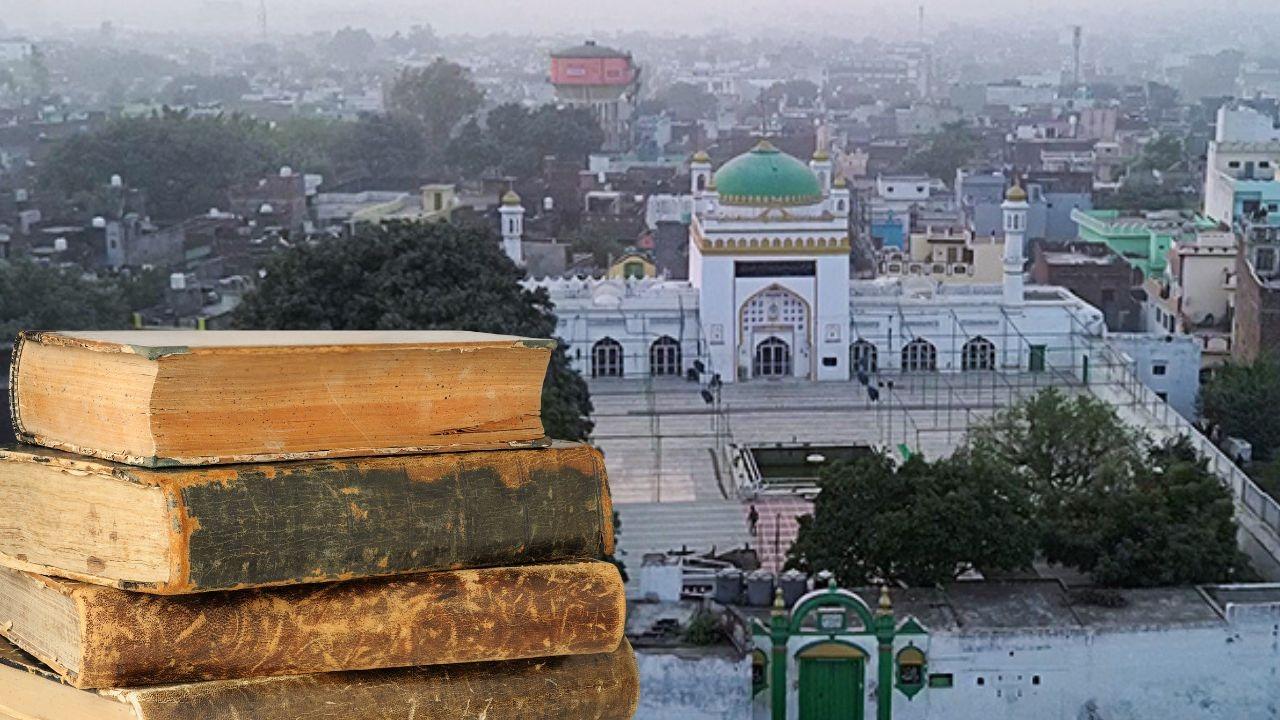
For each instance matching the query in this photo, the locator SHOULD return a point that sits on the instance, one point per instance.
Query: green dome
(767, 176)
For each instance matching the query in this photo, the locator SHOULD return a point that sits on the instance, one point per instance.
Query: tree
(184, 164)
(40, 297)
(1244, 401)
(1172, 524)
(685, 101)
(1112, 505)
(521, 138)
(1161, 154)
(955, 145)
(438, 96)
(1140, 191)
(1061, 444)
(922, 523)
(380, 146)
(421, 276)
(351, 46)
(472, 151)
(797, 93)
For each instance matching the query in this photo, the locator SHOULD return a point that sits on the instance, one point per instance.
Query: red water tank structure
(601, 78)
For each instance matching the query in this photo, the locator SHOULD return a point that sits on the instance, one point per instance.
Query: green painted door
(830, 689)
(1037, 358)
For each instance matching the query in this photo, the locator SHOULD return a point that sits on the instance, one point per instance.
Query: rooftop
(986, 605)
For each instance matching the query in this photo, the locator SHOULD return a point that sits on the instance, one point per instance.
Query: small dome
(701, 157)
(510, 198)
(1016, 193)
(767, 176)
(840, 182)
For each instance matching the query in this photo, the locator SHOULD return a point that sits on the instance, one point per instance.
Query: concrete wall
(1222, 672)
(1179, 355)
(1210, 671)
(674, 687)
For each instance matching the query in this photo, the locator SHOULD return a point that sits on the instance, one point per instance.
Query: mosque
(769, 294)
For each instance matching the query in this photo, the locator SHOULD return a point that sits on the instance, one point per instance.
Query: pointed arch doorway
(775, 335)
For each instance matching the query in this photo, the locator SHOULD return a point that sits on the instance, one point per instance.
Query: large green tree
(40, 297)
(1056, 478)
(184, 164)
(516, 139)
(421, 276)
(922, 523)
(438, 96)
(379, 146)
(1244, 401)
(1168, 523)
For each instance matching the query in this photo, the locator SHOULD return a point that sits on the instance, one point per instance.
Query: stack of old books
(285, 525)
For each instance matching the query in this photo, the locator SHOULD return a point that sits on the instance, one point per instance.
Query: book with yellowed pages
(174, 397)
(181, 530)
(603, 686)
(99, 637)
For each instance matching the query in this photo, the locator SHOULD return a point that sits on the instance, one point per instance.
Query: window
(664, 356)
(978, 354)
(606, 358)
(1233, 164)
(1159, 369)
(773, 359)
(919, 356)
(862, 357)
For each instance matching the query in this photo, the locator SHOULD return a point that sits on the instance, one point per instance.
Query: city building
(1144, 240)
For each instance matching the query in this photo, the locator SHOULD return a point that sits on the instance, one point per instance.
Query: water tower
(602, 79)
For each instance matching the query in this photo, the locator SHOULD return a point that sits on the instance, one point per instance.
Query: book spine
(14, 420)
(288, 523)
(584, 687)
(131, 639)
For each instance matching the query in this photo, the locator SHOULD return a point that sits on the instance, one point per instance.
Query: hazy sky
(838, 17)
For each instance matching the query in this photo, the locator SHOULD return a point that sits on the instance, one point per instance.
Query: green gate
(831, 682)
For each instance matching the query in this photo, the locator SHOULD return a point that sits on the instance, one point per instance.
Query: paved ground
(660, 440)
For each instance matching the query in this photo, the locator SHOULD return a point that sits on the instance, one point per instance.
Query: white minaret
(839, 201)
(512, 213)
(1015, 231)
(699, 172)
(821, 166)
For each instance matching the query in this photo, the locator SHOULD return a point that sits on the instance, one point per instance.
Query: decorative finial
(701, 157)
(1016, 193)
(886, 604)
(821, 155)
(779, 605)
(840, 181)
(511, 198)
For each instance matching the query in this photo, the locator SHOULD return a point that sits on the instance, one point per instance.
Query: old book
(194, 529)
(156, 398)
(97, 637)
(582, 687)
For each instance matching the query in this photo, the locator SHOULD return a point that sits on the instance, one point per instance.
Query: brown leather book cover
(99, 637)
(196, 529)
(187, 397)
(602, 686)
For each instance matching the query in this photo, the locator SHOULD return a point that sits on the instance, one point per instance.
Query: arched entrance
(664, 356)
(774, 341)
(978, 354)
(772, 359)
(606, 358)
(831, 681)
